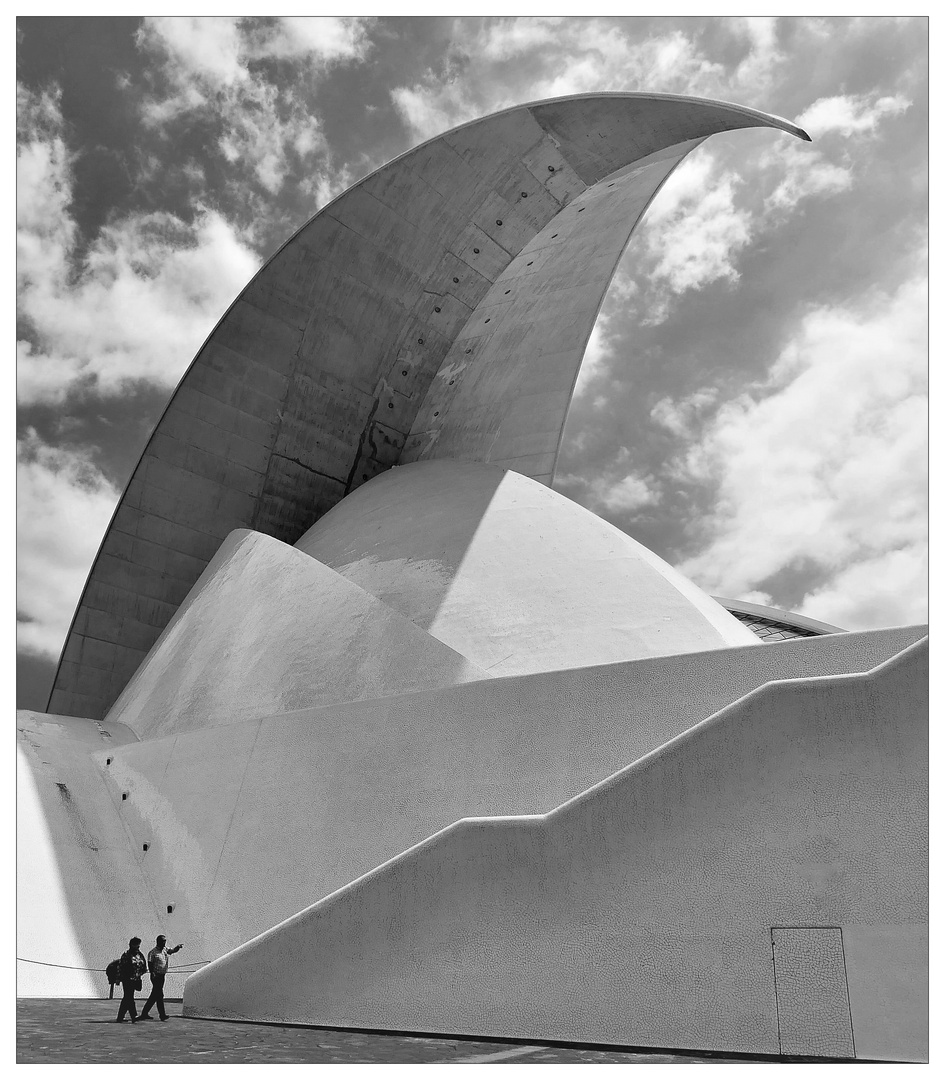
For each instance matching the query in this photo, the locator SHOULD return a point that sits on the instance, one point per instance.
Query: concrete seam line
(236, 804)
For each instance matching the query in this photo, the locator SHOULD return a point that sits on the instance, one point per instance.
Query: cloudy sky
(752, 405)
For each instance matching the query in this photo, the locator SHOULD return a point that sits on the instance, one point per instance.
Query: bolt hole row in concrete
(124, 795)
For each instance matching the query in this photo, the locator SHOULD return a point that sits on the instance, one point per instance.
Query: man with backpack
(157, 966)
(113, 974)
(131, 967)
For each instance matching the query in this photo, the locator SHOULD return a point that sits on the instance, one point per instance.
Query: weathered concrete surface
(642, 911)
(317, 375)
(249, 824)
(511, 574)
(268, 629)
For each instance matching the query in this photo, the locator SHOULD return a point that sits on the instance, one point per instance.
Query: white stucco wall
(640, 912)
(248, 824)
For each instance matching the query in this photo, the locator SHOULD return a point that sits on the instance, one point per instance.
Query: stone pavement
(82, 1031)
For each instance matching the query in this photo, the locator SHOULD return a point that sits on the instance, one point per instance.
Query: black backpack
(128, 967)
(113, 972)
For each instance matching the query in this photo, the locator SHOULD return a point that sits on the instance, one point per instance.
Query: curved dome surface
(512, 575)
(439, 307)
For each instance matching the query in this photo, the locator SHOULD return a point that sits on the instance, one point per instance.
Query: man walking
(130, 968)
(157, 967)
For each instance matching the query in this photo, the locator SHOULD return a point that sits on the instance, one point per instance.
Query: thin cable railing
(179, 970)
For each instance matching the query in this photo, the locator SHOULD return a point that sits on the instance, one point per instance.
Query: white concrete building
(397, 737)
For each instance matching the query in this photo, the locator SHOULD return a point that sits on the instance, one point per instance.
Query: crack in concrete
(308, 468)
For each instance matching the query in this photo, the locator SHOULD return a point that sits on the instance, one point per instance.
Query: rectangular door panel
(811, 986)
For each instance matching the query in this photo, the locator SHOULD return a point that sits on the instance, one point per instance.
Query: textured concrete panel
(639, 912)
(511, 574)
(314, 379)
(267, 629)
(811, 985)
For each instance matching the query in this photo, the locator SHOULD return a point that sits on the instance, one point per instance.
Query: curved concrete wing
(328, 360)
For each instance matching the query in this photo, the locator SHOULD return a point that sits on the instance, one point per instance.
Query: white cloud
(602, 344)
(805, 173)
(828, 168)
(680, 416)
(64, 504)
(848, 114)
(43, 187)
(510, 39)
(209, 64)
(827, 463)
(888, 590)
(323, 39)
(211, 52)
(630, 492)
(757, 597)
(434, 106)
(757, 70)
(208, 45)
(599, 348)
(692, 234)
(149, 290)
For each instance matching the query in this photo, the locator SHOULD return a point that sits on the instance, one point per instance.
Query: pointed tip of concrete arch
(763, 119)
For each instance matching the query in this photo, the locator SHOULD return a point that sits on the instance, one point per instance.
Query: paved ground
(80, 1031)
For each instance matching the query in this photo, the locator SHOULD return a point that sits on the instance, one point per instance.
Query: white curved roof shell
(512, 575)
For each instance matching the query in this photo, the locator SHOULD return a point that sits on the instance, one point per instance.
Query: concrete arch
(347, 353)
